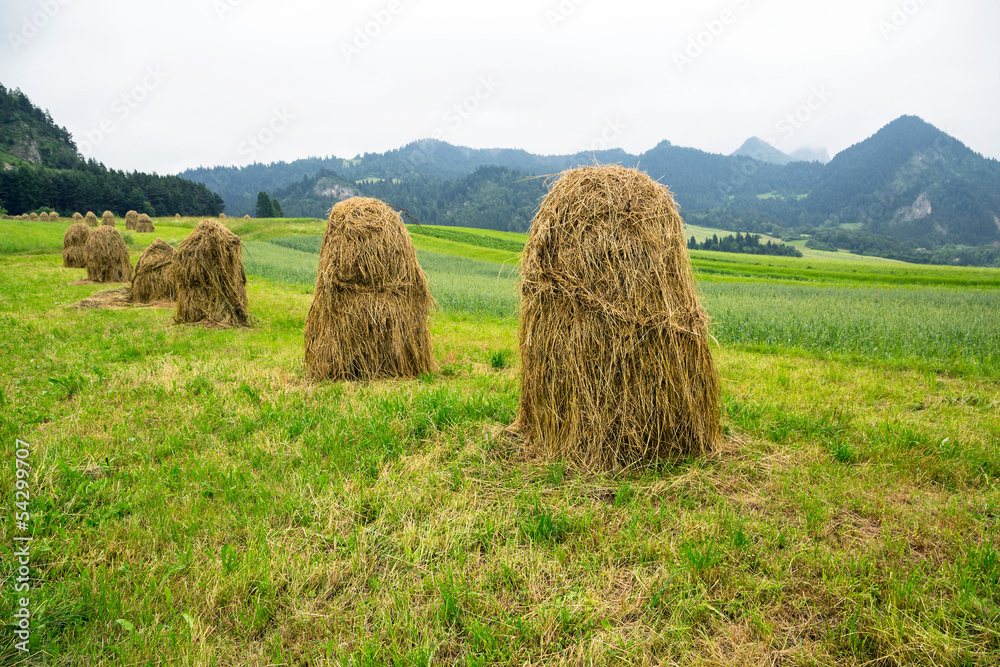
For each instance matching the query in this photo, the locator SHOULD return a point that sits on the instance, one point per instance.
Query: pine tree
(265, 209)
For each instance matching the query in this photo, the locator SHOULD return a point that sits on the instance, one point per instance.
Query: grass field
(196, 500)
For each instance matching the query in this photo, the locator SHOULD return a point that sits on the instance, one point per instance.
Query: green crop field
(196, 500)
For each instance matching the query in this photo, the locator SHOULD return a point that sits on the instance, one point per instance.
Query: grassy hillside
(196, 500)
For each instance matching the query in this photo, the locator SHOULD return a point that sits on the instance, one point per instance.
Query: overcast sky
(169, 85)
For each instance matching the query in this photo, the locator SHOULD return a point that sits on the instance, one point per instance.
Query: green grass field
(196, 500)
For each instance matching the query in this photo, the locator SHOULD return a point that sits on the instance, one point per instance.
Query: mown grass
(198, 501)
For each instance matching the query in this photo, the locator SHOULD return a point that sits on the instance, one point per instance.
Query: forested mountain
(760, 150)
(40, 168)
(912, 181)
(908, 187)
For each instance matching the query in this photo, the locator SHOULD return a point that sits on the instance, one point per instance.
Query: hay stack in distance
(368, 318)
(246, 217)
(91, 219)
(53, 217)
(211, 283)
(75, 246)
(107, 256)
(616, 363)
(108, 219)
(222, 216)
(33, 216)
(145, 225)
(177, 215)
(153, 279)
(131, 218)
(77, 217)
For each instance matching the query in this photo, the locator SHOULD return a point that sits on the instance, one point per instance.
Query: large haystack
(153, 279)
(368, 319)
(33, 216)
(91, 219)
(77, 217)
(145, 225)
(616, 363)
(107, 256)
(131, 219)
(75, 246)
(108, 219)
(211, 284)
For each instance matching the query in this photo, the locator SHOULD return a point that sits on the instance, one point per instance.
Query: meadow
(196, 500)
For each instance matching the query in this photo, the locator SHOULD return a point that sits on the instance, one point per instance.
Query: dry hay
(53, 217)
(211, 283)
(43, 216)
(177, 215)
(77, 217)
(368, 319)
(616, 361)
(91, 219)
(108, 219)
(107, 257)
(114, 299)
(222, 216)
(75, 246)
(246, 217)
(145, 225)
(131, 219)
(153, 280)
(33, 216)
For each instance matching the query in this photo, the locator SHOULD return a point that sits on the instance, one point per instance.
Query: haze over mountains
(910, 181)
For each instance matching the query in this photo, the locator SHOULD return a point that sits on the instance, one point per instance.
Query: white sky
(605, 73)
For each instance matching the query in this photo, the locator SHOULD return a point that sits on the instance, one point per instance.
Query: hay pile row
(91, 219)
(153, 280)
(107, 256)
(108, 219)
(144, 224)
(211, 283)
(131, 218)
(75, 246)
(368, 319)
(616, 363)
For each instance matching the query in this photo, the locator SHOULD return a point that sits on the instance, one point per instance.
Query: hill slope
(42, 169)
(912, 181)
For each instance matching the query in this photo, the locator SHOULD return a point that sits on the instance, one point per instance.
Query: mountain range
(910, 182)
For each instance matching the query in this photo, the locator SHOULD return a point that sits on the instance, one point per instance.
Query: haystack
(77, 217)
(75, 246)
(246, 217)
(211, 284)
(616, 363)
(33, 216)
(53, 217)
(222, 216)
(91, 219)
(107, 256)
(145, 225)
(368, 319)
(131, 219)
(108, 219)
(153, 280)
